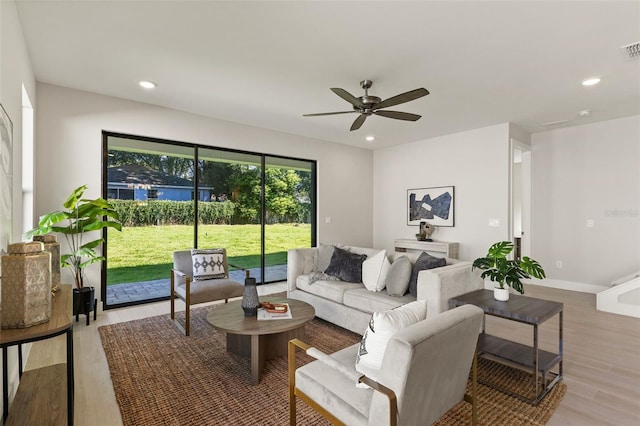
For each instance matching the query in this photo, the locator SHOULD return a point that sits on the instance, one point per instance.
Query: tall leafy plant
(504, 271)
(80, 217)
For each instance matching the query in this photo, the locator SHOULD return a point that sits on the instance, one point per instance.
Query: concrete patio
(146, 290)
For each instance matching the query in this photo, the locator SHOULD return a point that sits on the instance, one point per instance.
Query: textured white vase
(501, 294)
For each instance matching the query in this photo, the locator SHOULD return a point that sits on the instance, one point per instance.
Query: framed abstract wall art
(6, 178)
(433, 205)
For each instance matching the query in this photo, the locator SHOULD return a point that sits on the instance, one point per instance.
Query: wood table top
(230, 318)
(518, 308)
(60, 321)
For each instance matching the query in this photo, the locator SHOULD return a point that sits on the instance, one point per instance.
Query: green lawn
(145, 253)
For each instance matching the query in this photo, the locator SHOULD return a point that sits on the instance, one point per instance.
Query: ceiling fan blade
(398, 115)
(347, 97)
(328, 113)
(358, 122)
(402, 98)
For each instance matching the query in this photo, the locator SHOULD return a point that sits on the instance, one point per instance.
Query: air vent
(632, 51)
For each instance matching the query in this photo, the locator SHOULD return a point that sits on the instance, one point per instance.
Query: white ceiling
(265, 63)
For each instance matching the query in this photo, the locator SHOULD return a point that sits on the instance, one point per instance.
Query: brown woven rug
(161, 377)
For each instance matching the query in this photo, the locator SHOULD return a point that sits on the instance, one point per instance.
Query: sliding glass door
(176, 196)
(288, 212)
(151, 185)
(230, 213)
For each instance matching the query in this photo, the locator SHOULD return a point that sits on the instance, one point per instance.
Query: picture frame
(434, 205)
(6, 178)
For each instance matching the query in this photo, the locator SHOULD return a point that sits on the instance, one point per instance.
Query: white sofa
(350, 305)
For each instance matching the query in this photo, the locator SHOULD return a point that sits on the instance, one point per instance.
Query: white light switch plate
(495, 223)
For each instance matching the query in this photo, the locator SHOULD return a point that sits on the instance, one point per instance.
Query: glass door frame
(196, 148)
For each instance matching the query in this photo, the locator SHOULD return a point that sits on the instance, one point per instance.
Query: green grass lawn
(145, 253)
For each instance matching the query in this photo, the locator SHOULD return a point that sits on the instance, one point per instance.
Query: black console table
(527, 310)
(40, 389)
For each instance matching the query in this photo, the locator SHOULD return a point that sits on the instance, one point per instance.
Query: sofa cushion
(370, 301)
(374, 271)
(397, 280)
(424, 261)
(338, 393)
(332, 290)
(208, 264)
(346, 265)
(381, 327)
(208, 290)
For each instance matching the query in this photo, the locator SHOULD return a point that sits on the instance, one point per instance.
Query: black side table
(527, 310)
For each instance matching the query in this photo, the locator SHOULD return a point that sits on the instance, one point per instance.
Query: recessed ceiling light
(370, 138)
(591, 81)
(148, 84)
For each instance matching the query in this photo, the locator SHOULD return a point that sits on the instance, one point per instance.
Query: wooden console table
(440, 247)
(527, 310)
(40, 390)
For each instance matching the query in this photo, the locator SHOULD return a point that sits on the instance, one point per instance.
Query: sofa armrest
(438, 285)
(301, 261)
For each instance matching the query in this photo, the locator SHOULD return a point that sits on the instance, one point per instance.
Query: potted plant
(507, 272)
(80, 216)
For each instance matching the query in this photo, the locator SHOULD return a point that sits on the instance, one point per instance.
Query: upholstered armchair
(200, 276)
(424, 373)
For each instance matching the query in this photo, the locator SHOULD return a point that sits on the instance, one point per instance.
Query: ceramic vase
(501, 294)
(250, 301)
(26, 285)
(52, 245)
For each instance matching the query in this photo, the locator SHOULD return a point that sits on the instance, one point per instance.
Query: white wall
(69, 154)
(15, 70)
(475, 162)
(588, 172)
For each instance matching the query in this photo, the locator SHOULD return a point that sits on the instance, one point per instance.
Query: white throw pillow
(374, 271)
(208, 264)
(382, 326)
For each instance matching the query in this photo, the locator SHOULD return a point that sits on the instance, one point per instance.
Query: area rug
(161, 377)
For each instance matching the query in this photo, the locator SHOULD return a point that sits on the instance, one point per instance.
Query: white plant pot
(501, 294)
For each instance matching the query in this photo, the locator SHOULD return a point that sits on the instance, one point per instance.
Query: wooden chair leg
(172, 297)
(292, 383)
(474, 389)
(187, 316)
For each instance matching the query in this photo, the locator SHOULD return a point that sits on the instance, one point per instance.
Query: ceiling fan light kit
(372, 105)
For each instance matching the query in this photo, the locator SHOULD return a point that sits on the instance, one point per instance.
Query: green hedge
(155, 212)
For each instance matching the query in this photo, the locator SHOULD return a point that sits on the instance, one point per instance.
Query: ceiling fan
(367, 105)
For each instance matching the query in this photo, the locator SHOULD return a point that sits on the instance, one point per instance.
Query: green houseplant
(507, 272)
(80, 216)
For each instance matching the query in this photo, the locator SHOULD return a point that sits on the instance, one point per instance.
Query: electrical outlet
(590, 223)
(494, 223)
(559, 264)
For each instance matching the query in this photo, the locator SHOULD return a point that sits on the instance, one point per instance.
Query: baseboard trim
(569, 285)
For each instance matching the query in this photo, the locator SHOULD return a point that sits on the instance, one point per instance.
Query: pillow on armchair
(208, 264)
(381, 327)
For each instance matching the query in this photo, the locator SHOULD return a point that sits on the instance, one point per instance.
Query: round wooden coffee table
(264, 339)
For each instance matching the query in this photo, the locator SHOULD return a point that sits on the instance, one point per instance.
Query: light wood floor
(602, 360)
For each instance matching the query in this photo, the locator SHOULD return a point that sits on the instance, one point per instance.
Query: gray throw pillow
(424, 261)
(346, 265)
(397, 281)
